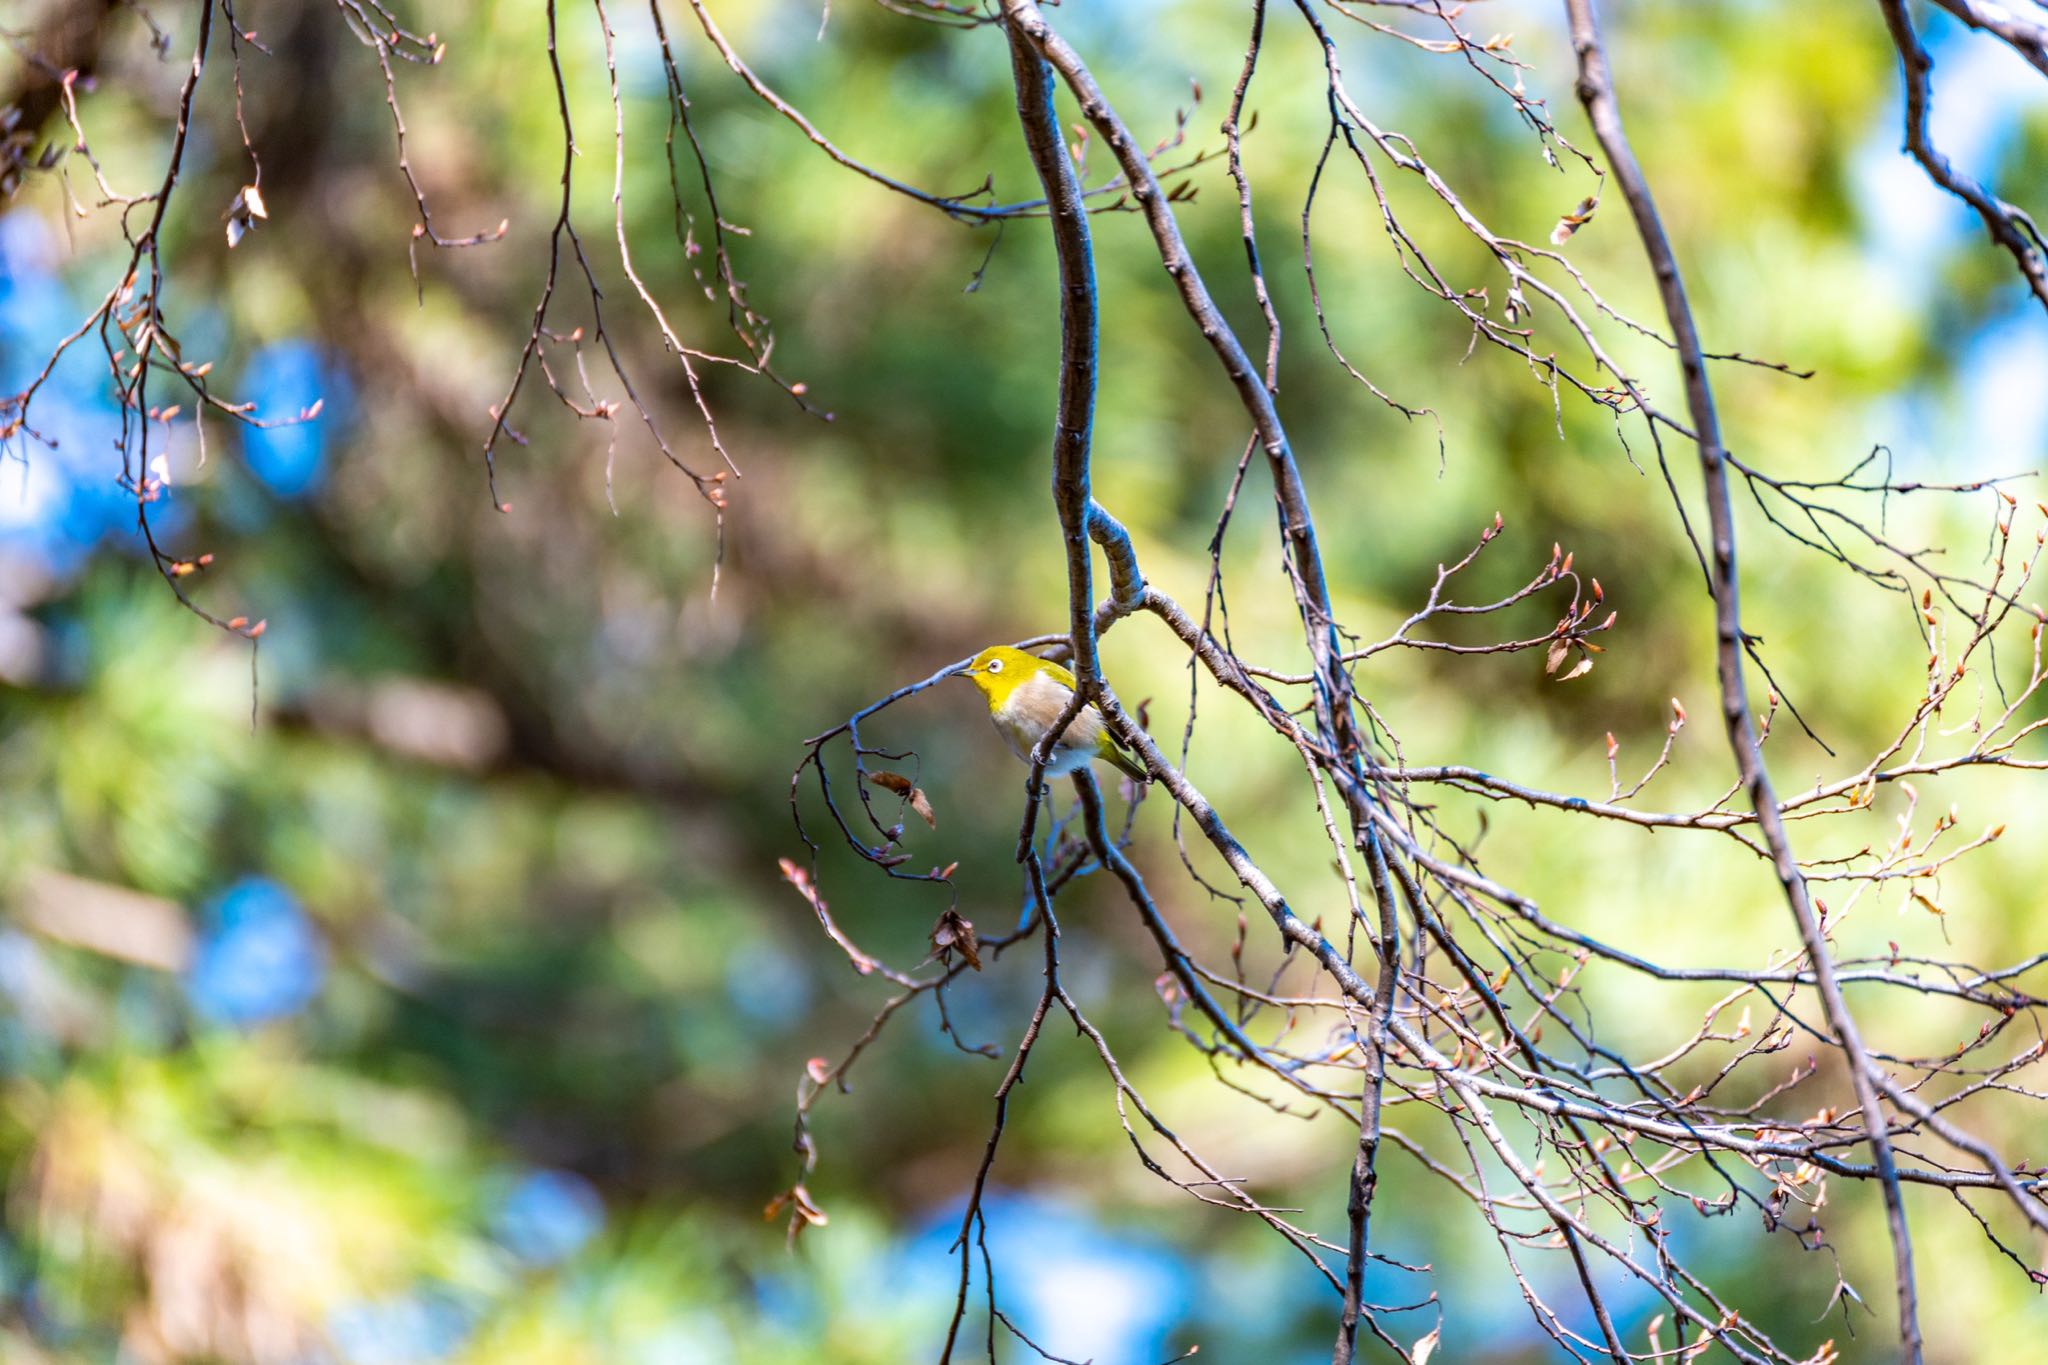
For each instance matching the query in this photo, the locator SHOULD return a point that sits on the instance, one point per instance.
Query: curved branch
(2009, 225)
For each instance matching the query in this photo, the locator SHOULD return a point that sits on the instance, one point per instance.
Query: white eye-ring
(995, 665)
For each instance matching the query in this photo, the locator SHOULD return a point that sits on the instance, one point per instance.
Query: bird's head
(1001, 669)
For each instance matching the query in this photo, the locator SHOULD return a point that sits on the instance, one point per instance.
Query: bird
(1026, 694)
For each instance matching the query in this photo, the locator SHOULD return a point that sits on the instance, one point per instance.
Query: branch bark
(2009, 225)
(1596, 93)
(1078, 333)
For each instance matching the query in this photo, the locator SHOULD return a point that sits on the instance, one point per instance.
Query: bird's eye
(995, 665)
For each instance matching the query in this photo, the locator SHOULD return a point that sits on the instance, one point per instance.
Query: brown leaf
(909, 791)
(803, 1210)
(955, 933)
(1573, 221)
(1426, 1346)
(1555, 656)
(243, 212)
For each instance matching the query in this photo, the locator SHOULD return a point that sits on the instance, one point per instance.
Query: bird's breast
(1032, 707)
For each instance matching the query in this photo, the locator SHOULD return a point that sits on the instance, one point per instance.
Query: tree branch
(1596, 93)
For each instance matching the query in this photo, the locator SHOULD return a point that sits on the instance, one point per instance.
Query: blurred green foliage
(526, 777)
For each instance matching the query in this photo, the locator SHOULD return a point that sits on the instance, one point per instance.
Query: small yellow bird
(1026, 694)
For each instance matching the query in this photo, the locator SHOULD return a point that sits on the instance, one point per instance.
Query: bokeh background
(449, 1005)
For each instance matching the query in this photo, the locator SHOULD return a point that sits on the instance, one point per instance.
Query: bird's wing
(1060, 674)
(1120, 758)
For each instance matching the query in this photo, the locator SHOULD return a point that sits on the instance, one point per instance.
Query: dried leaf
(243, 212)
(953, 933)
(909, 791)
(1558, 649)
(1579, 669)
(803, 1210)
(1573, 221)
(1426, 1347)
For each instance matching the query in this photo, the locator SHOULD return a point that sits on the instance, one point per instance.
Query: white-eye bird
(1026, 694)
